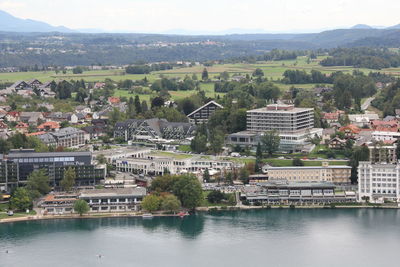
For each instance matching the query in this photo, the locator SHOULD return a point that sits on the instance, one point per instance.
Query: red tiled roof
(22, 125)
(50, 125)
(14, 113)
(353, 128)
(35, 134)
(114, 100)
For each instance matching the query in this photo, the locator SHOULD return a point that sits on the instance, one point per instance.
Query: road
(366, 103)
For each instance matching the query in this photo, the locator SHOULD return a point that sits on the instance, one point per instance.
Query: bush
(216, 197)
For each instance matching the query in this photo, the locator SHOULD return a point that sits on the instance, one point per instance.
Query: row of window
(33, 160)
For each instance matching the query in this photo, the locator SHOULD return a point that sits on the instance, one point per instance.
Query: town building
(18, 164)
(378, 182)
(294, 193)
(336, 174)
(294, 126)
(161, 163)
(203, 113)
(145, 130)
(99, 200)
(66, 137)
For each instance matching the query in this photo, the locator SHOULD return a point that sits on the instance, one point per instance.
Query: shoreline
(199, 209)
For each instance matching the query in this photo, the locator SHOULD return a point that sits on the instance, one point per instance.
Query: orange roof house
(49, 126)
(350, 130)
(22, 127)
(113, 100)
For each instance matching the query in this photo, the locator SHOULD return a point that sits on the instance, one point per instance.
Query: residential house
(203, 113)
(22, 127)
(3, 127)
(13, 116)
(337, 143)
(350, 130)
(387, 126)
(95, 132)
(112, 100)
(363, 120)
(66, 137)
(49, 126)
(326, 135)
(83, 109)
(32, 118)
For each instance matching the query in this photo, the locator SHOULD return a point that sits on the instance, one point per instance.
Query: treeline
(302, 77)
(145, 69)
(351, 88)
(389, 99)
(371, 58)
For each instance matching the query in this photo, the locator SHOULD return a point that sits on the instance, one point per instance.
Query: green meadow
(273, 70)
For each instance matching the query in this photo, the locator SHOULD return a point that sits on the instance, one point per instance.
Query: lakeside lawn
(4, 208)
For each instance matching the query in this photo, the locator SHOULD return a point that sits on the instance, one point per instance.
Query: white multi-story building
(294, 125)
(158, 165)
(281, 117)
(378, 182)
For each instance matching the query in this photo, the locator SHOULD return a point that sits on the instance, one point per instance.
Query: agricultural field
(273, 70)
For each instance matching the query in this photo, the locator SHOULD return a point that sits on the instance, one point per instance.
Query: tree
(204, 74)
(258, 73)
(270, 141)
(69, 179)
(138, 107)
(157, 102)
(144, 106)
(20, 199)
(297, 162)
(244, 175)
(199, 143)
(217, 138)
(151, 203)
(215, 196)
(188, 190)
(38, 183)
(359, 154)
(170, 203)
(206, 176)
(101, 159)
(77, 70)
(224, 76)
(81, 207)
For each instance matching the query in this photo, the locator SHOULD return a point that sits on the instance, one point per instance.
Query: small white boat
(147, 216)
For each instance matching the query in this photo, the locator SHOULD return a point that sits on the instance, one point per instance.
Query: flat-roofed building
(99, 200)
(18, 164)
(294, 126)
(286, 192)
(114, 200)
(281, 117)
(337, 174)
(378, 182)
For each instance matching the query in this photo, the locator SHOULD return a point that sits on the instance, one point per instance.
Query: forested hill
(62, 49)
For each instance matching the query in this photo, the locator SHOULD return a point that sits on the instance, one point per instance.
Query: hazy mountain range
(9, 23)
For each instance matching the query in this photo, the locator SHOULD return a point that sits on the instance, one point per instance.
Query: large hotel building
(294, 125)
(18, 164)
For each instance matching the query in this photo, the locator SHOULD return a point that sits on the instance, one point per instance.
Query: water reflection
(188, 227)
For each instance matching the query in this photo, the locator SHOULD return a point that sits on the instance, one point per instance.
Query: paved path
(366, 103)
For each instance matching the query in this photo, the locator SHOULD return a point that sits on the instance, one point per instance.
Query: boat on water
(147, 216)
(183, 214)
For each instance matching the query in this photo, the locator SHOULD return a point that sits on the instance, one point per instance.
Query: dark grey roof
(21, 154)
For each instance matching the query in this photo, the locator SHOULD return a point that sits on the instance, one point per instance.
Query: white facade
(385, 136)
(160, 165)
(378, 182)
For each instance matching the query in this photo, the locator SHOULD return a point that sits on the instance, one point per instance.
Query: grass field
(273, 70)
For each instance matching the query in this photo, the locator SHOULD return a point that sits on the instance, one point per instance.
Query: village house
(22, 127)
(203, 113)
(13, 116)
(49, 126)
(336, 143)
(350, 131)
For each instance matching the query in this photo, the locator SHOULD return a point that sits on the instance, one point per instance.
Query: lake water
(275, 237)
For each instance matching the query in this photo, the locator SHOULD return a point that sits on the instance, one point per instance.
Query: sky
(158, 16)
